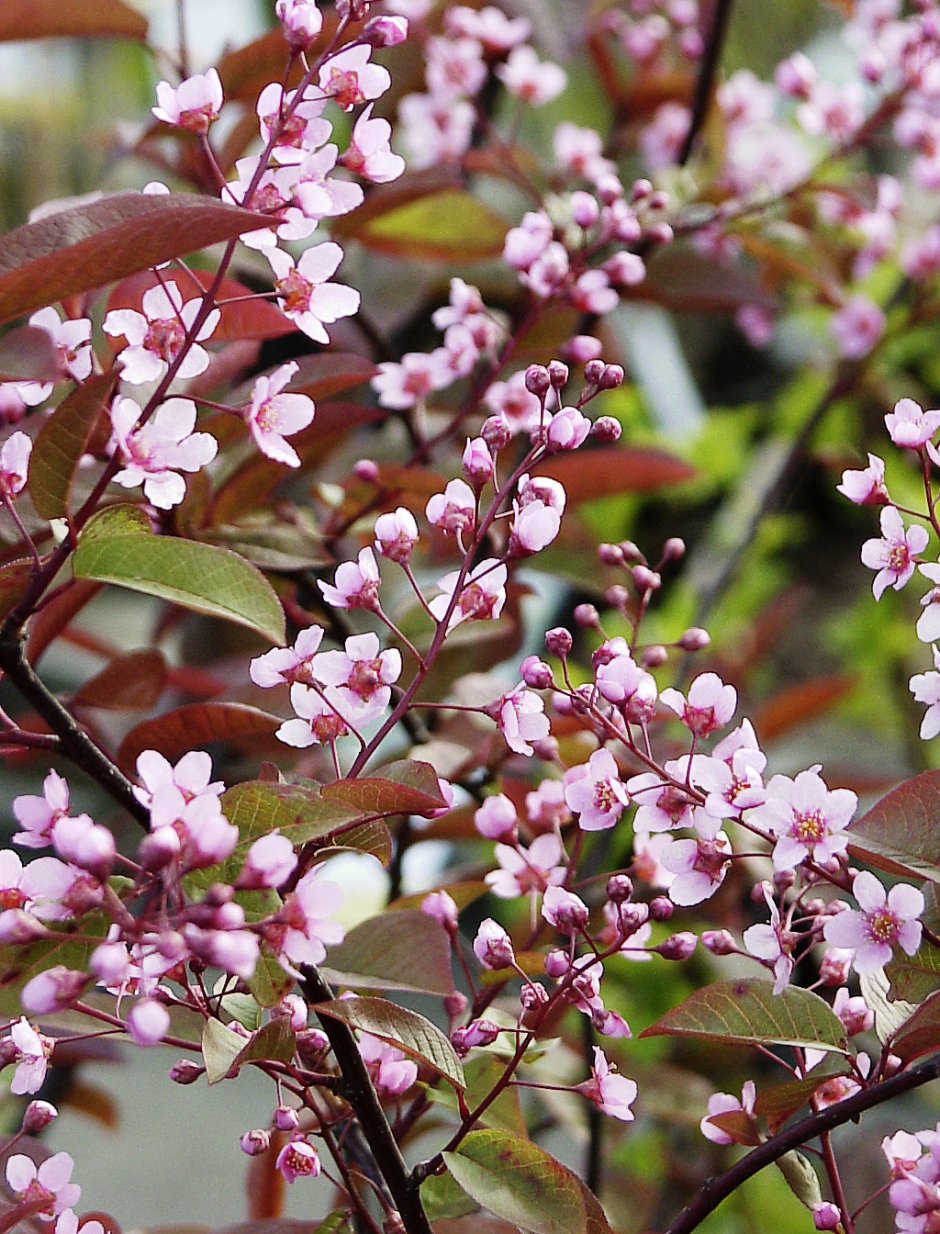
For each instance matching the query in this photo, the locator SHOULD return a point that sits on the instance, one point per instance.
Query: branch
(361, 1095)
(706, 77)
(714, 1190)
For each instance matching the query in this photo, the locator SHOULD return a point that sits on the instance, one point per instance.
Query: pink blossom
(699, 866)
(85, 844)
(156, 452)
(807, 819)
(661, 805)
(770, 944)
(355, 584)
(622, 682)
(546, 807)
(435, 130)
(304, 293)
(168, 790)
(288, 664)
(661, 139)
(928, 624)
(578, 150)
(301, 21)
(54, 989)
(292, 137)
(38, 888)
(156, 335)
(549, 272)
(273, 193)
(592, 293)
(37, 816)
(481, 596)
(884, 919)
(269, 862)
(833, 111)
(320, 195)
(534, 527)
(926, 689)
(521, 718)
(72, 341)
(393, 1073)
(306, 926)
(492, 946)
(496, 818)
(567, 430)
(521, 410)
(733, 784)
(320, 719)
(148, 1022)
(909, 426)
(361, 674)
(526, 243)
(272, 415)
(524, 870)
(396, 534)
(866, 488)
(369, 154)
(14, 463)
(232, 949)
(191, 105)
(455, 67)
(613, 1094)
(725, 1103)
(562, 908)
(49, 1182)
(595, 792)
(894, 555)
(348, 79)
(476, 1034)
(419, 374)
(441, 906)
(298, 1159)
(489, 25)
(855, 1013)
(857, 327)
(710, 704)
(32, 1056)
(534, 81)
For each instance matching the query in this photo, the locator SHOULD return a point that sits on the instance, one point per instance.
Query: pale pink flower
(191, 105)
(85, 844)
(68, 1224)
(402, 385)
(155, 453)
(489, 25)
(613, 1094)
(396, 534)
(167, 790)
(272, 194)
(32, 1057)
(293, 136)
(304, 292)
(549, 272)
(661, 139)
(320, 195)
(361, 674)
(770, 944)
(546, 807)
(148, 1022)
(37, 816)
(272, 415)
(49, 1182)
(496, 818)
(699, 865)
(563, 909)
(928, 624)
(926, 689)
(520, 716)
(393, 1073)
(348, 79)
(622, 682)
(301, 21)
(38, 888)
(521, 410)
(14, 463)
(319, 718)
(833, 111)
(894, 555)
(595, 792)
(807, 819)
(526, 243)
(369, 154)
(454, 510)
(54, 989)
(306, 926)
(567, 429)
(909, 426)
(156, 335)
(234, 950)
(481, 596)
(492, 946)
(534, 81)
(434, 130)
(725, 1103)
(733, 784)
(298, 1159)
(72, 341)
(884, 919)
(523, 870)
(592, 293)
(355, 584)
(661, 805)
(857, 327)
(269, 862)
(866, 488)
(578, 150)
(710, 704)
(288, 664)
(855, 1013)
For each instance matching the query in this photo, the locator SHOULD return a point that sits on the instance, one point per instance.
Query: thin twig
(706, 77)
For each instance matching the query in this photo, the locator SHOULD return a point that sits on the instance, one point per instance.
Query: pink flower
(54, 989)
(661, 806)
(304, 293)
(148, 1022)
(526, 243)
(269, 862)
(477, 462)
(306, 927)
(893, 556)
(699, 865)
(361, 674)
(733, 784)
(38, 815)
(191, 105)
(613, 1094)
(770, 944)
(293, 136)
(156, 452)
(396, 534)
(725, 1103)
(534, 81)
(272, 416)
(488, 25)
(855, 1013)
(595, 792)
(928, 624)
(403, 385)
(168, 790)
(926, 689)
(301, 21)
(155, 336)
(521, 718)
(866, 488)
(622, 682)
(546, 807)
(807, 819)
(369, 154)
(562, 908)
(32, 1057)
(393, 1073)
(348, 79)
(523, 870)
(72, 341)
(710, 704)
(49, 1182)
(288, 664)
(857, 327)
(492, 946)
(496, 818)
(319, 718)
(481, 596)
(85, 844)
(320, 195)
(298, 1159)
(355, 584)
(454, 510)
(884, 919)
(909, 426)
(520, 409)
(14, 463)
(455, 67)
(578, 150)
(38, 888)
(435, 130)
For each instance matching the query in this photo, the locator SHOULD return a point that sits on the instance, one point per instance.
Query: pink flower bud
(312, 1044)
(17, 926)
(441, 906)
(826, 1216)
(37, 1116)
(254, 1143)
(396, 534)
(148, 1021)
(557, 964)
(567, 430)
(646, 579)
(55, 989)
(617, 596)
(85, 844)
(536, 673)
(625, 269)
(158, 849)
(367, 470)
(564, 910)
(496, 818)
(659, 233)
(455, 1004)
(587, 617)
(185, 1072)
(654, 656)
(385, 31)
(695, 639)
(619, 888)
(496, 433)
(610, 554)
(477, 1034)
(661, 908)
(584, 209)
(293, 1008)
(300, 20)
(286, 1118)
(492, 945)
(678, 946)
(592, 371)
(559, 641)
(270, 861)
(537, 380)
(477, 462)
(640, 190)
(582, 349)
(558, 374)
(673, 549)
(719, 942)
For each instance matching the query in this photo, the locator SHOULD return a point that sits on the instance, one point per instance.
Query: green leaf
(275, 1040)
(37, 19)
(402, 951)
(801, 1178)
(443, 1198)
(405, 1029)
(269, 982)
(482, 1072)
(258, 807)
(62, 441)
(123, 519)
(405, 787)
(244, 1008)
(747, 1012)
(19, 964)
(200, 577)
(899, 834)
(83, 247)
(449, 225)
(914, 978)
(15, 578)
(890, 1011)
(220, 1047)
(520, 1182)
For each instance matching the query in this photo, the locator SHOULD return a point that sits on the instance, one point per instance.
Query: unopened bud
(557, 963)
(606, 430)
(593, 371)
(455, 1004)
(719, 942)
(559, 641)
(37, 1116)
(826, 1216)
(673, 549)
(496, 433)
(612, 377)
(617, 596)
(536, 673)
(545, 749)
(255, 1142)
(582, 349)
(185, 1072)
(659, 233)
(537, 379)
(678, 946)
(654, 656)
(557, 374)
(631, 551)
(610, 554)
(661, 908)
(312, 1044)
(587, 617)
(646, 579)
(695, 639)
(367, 470)
(286, 1118)
(385, 31)
(619, 888)
(658, 200)
(640, 191)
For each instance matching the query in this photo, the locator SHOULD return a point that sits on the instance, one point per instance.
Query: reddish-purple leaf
(398, 788)
(62, 441)
(331, 372)
(29, 353)
(587, 474)
(796, 704)
(83, 247)
(920, 1034)
(899, 834)
(132, 682)
(682, 278)
(195, 725)
(39, 19)
(405, 951)
(55, 616)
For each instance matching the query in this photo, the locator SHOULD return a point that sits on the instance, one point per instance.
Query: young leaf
(914, 978)
(83, 247)
(269, 983)
(220, 1047)
(587, 474)
(449, 225)
(801, 1178)
(747, 1012)
(519, 1182)
(38, 19)
(274, 1040)
(408, 1031)
(899, 833)
(920, 1034)
(406, 951)
(257, 808)
(200, 577)
(62, 441)
(406, 787)
(442, 1196)
(15, 578)
(195, 724)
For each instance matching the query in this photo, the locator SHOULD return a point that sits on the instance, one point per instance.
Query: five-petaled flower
(157, 335)
(305, 293)
(273, 415)
(884, 920)
(895, 554)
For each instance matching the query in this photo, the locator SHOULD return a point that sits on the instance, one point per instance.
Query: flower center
(898, 557)
(365, 678)
(11, 897)
(808, 828)
(165, 338)
(709, 859)
(298, 1162)
(476, 603)
(343, 88)
(295, 292)
(882, 926)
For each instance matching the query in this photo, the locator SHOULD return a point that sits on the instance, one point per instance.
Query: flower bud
(606, 430)
(367, 470)
(148, 1021)
(285, 1118)
(610, 554)
(37, 1116)
(54, 989)
(385, 31)
(185, 1072)
(584, 208)
(826, 1216)
(557, 963)
(640, 191)
(559, 641)
(619, 888)
(659, 233)
(678, 946)
(312, 1044)
(496, 433)
(478, 1033)
(477, 462)
(587, 617)
(455, 1004)
(661, 908)
(646, 579)
(719, 942)
(695, 639)
(582, 349)
(631, 552)
(617, 597)
(593, 371)
(545, 749)
(537, 380)
(254, 1143)
(536, 673)
(673, 549)
(557, 374)
(611, 378)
